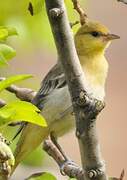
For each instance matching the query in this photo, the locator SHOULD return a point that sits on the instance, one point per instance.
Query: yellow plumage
(91, 40)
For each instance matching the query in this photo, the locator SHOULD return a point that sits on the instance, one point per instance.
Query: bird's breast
(95, 70)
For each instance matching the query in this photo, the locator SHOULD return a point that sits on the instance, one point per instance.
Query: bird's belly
(96, 92)
(57, 111)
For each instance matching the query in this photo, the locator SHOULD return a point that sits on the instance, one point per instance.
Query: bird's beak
(111, 37)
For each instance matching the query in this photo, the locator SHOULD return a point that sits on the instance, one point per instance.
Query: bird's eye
(95, 33)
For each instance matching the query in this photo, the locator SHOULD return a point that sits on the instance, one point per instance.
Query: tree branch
(24, 94)
(2, 103)
(123, 1)
(71, 170)
(80, 11)
(85, 108)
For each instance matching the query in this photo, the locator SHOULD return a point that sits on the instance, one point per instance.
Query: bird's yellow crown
(91, 27)
(92, 38)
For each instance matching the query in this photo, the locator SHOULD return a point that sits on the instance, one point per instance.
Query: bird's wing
(55, 79)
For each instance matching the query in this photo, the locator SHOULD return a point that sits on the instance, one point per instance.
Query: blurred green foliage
(6, 52)
(31, 29)
(42, 176)
(32, 161)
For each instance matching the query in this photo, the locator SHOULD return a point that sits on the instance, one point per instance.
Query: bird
(53, 98)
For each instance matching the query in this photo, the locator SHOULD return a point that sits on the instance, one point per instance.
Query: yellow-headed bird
(53, 98)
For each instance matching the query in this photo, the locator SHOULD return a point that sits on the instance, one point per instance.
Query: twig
(2, 103)
(71, 170)
(30, 9)
(122, 175)
(123, 1)
(24, 94)
(81, 12)
(85, 108)
(74, 23)
(66, 167)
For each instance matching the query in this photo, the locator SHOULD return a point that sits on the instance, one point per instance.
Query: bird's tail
(31, 137)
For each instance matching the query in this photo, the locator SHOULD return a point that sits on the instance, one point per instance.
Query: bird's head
(93, 38)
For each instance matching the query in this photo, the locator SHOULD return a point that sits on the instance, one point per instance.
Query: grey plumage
(55, 79)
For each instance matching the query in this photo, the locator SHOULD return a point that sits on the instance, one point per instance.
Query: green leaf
(21, 111)
(24, 105)
(7, 51)
(35, 6)
(71, 179)
(42, 176)
(13, 79)
(2, 60)
(6, 32)
(3, 33)
(11, 31)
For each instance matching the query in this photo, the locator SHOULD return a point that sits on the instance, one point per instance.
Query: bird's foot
(55, 142)
(67, 166)
(64, 166)
(67, 161)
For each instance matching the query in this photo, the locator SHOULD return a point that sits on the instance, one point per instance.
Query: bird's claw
(65, 164)
(54, 140)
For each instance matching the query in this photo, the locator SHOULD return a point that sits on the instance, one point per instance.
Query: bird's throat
(95, 70)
